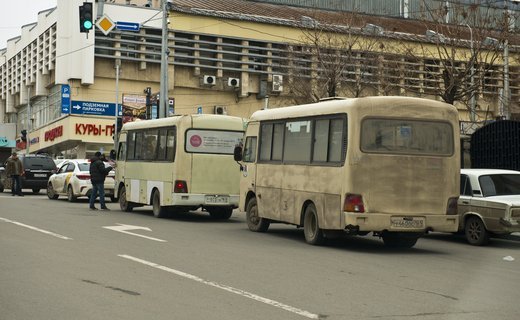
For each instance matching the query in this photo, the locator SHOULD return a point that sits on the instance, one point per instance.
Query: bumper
(509, 225)
(381, 221)
(199, 200)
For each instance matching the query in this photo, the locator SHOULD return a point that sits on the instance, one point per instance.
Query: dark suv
(38, 168)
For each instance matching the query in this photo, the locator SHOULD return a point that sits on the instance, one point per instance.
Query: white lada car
(73, 180)
(489, 204)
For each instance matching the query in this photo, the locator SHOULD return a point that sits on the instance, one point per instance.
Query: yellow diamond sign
(105, 24)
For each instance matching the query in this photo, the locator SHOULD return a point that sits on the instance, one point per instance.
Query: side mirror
(237, 153)
(112, 154)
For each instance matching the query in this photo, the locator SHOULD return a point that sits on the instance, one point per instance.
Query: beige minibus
(179, 163)
(386, 166)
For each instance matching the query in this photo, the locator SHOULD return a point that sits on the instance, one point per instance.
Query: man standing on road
(14, 169)
(98, 173)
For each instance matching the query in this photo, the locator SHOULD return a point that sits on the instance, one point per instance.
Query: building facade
(232, 57)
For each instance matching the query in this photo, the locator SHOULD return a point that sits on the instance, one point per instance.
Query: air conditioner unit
(220, 110)
(210, 80)
(233, 82)
(277, 83)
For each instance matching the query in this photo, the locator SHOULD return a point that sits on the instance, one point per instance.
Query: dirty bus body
(386, 165)
(179, 163)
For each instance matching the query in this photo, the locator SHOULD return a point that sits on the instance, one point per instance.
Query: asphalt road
(59, 260)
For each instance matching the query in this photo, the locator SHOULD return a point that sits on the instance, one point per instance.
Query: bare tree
(458, 59)
(335, 59)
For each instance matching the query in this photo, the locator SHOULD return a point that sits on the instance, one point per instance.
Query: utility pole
(163, 92)
(472, 103)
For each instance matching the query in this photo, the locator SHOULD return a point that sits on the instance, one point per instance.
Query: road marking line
(224, 287)
(36, 229)
(123, 228)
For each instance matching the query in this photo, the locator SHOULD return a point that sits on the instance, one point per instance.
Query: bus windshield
(404, 136)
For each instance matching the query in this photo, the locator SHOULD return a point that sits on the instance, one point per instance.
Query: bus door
(248, 182)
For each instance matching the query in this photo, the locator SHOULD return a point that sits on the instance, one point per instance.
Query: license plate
(40, 175)
(407, 222)
(217, 199)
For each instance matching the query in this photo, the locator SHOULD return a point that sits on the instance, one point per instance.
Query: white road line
(36, 229)
(224, 287)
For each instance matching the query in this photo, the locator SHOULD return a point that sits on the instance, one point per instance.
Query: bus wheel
(124, 204)
(475, 232)
(220, 213)
(399, 240)
(70, 194)
(311, 228)
(254, 222)
(158, 210)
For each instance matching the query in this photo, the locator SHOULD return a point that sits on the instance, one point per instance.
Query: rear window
(38, 163)
(404, 136)
(84, 166)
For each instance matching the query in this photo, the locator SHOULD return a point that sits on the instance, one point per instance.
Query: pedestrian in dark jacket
(14, 169)
(98, 173)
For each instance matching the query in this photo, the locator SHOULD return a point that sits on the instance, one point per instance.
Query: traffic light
(86, 21)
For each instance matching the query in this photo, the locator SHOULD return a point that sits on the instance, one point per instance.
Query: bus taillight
(180, 186)
(452, 208)
(354, 203)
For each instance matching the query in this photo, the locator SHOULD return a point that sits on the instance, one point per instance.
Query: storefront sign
(94, 129)
(54, 133)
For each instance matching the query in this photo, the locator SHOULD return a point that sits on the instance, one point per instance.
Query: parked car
(489, 204)
(73, 180)
(38, 168)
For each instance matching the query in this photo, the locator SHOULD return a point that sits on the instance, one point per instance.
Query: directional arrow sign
(127, 26)
(124, 228)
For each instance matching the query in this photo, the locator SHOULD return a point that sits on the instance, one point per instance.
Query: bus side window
(250, 150)
(121, 151)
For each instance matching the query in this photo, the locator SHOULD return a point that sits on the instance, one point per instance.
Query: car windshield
(500, 184)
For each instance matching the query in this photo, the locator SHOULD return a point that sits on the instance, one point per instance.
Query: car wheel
(475, 231)
(70, 194)
(51, 194)
(125, 205)
(311, 228)
(220, 213)
(254, 222)
(158, 210)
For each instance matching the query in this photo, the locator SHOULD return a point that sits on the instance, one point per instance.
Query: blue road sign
(94, 108)
(127, 26)
(65, 98)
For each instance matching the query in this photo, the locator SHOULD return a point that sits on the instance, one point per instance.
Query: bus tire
(254, 222)
(399, 240)
(158, 210)
(220, 213)
(124, 204)
(311, 228)
(475, 232)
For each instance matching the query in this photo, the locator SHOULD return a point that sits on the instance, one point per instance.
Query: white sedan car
(73, 180)
(489, 204)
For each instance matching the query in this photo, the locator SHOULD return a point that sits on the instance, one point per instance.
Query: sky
(15, 14)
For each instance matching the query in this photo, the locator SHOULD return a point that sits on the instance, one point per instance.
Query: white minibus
(388, 166)
(179, 163)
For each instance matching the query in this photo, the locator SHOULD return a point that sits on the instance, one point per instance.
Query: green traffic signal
(87, 24)
(85, 17)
